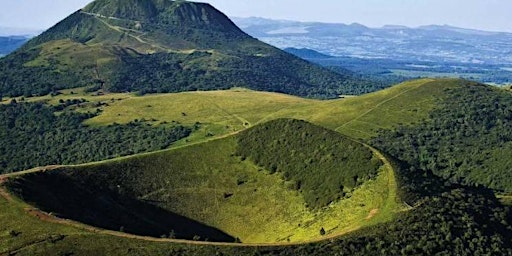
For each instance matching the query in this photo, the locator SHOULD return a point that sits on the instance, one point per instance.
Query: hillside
(150, 46)
(320, 163)
(208, 114)
(456, 129)
(440, 215)
(466, 139)
(204, 192)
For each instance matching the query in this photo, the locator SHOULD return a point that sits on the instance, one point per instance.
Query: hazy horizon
(491, 15)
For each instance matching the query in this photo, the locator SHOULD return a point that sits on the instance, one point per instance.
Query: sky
(491, 15)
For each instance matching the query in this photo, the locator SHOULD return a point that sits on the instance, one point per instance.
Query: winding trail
(375, 107)
(124, 30)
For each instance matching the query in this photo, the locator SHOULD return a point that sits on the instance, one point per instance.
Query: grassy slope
(225, 112)
(277, 213)
(344, 114)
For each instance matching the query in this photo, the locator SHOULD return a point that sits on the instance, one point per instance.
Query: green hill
(466, 138)
(200, 192)
(441, 215)
(458, 130)
(150, 46)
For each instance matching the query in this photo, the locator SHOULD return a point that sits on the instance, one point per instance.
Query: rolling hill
(206, 189)
(150, 46)
(440, 214)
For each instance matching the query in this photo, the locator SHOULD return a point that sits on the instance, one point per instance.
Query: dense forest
(176, 72)
(31, 135)
(467, 139)
(323, 165)
(164, 72)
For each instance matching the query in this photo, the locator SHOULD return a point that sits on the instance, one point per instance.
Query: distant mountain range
(399, 51)
(393, 52)
(13, 38)
(426, 43)
(27, 32)
(11, 43)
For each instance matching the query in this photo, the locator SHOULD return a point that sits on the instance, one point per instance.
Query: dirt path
(124, 30)
(375, 107)
(245, 122)
(5, 194)
(372, 213)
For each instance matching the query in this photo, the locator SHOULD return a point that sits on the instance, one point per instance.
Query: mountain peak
(157, 46)
(140, 10)
(162, 12)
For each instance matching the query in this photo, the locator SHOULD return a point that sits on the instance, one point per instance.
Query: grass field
(223, 113)
(226, 112)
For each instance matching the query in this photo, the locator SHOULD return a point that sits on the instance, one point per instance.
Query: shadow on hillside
(104, 208)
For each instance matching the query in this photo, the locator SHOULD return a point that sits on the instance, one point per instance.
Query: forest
(323, 165)
(33, 135)
(467, 139)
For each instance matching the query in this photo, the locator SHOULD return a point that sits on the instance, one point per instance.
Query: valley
(393, 52)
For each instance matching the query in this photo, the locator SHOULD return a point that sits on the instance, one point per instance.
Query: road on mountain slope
(124, 30)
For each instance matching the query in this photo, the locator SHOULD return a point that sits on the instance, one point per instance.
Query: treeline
(167, 72)
(322, 164)
(176, 72)
(441, 220)
(18, 79)
(32, 135)
(467, 139)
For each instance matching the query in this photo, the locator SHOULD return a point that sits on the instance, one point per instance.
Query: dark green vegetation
(444, 221)
(31, 135)
(159, 46)
(323, 165)
(467, 138)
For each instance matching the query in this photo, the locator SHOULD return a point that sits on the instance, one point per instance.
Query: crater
(223, 190)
